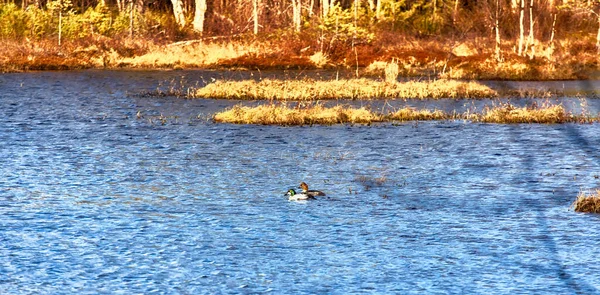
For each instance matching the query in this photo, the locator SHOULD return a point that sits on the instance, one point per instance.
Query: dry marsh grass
(282, 114)
(411, 114)
(193, 55)
(342, 89)
(587, 202)
(508, 113)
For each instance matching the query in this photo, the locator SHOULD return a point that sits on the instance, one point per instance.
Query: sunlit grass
(342, 89)
(191, 55)
(282, 114)
(411, 114)
(545, 114)
(587, 202)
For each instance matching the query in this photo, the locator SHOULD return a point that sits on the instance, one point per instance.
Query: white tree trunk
(371, 5)
(255, 15)
(521, 28)
(497, 28)
(297, 10)
(178, 12)
(514, 5)
(598, 36)
(530, 39)
(454, 12)
(325, 5)
(553, 30)
(131, 19)
(60, 24)
(198, 23)
(378, 10)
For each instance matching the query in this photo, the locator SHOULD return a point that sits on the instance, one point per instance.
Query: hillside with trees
(481, 39)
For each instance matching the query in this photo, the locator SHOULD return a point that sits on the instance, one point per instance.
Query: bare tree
(255, 15)
(530, 39)
(199, 15)
(454, 12)
(521, 27)
(297, 12)
(498, 53)
(179, 12)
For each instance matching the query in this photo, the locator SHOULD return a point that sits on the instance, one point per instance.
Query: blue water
(106, 191)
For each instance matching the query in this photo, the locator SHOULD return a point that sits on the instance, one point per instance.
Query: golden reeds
(192, 55)
(411, 114)
(587, 202)
(342, 89)
(508, 113)
(282, 114)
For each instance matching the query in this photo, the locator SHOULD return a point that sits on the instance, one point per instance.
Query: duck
(312, 193)
(293, 196)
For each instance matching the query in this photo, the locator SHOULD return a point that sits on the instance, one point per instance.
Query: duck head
(303, 186)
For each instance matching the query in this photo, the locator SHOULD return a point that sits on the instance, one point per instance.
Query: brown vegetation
(587, 202)
(342, 89)
(508, 113)
(282, 114)
(438, 39)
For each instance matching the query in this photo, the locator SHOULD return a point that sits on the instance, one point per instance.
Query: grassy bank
(342, 89)
(420, 58)
(587, 202)
(283, 114)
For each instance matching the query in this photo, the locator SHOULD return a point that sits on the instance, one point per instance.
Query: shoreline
(413, 62)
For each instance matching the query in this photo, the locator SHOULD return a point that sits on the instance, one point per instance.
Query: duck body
(293, 196)
(312, 193)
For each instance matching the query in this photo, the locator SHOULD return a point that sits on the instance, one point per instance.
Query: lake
(106, 190)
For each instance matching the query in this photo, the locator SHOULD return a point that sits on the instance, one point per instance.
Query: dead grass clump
(587, 202)
(283, 115)
(411, 114)
(319, 59)
(391, 72)
(193, 54)
(508, 113)
(342, 89)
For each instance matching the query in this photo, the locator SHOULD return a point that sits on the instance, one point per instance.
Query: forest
(480, 39)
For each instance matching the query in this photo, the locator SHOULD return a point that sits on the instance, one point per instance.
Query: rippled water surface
(102, 191)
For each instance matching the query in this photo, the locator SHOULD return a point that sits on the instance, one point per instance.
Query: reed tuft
(391, 72)
(508, 113)
(587, 202)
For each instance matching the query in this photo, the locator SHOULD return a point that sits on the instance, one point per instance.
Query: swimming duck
(312, 193)
(293, 196)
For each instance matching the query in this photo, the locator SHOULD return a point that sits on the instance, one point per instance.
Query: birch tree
(255, 15)
(498, 53)
(530, 39)
(325, 6)
(296, 14)
(179, 12)
(454, 12)
(199, 15)
(521, 27)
